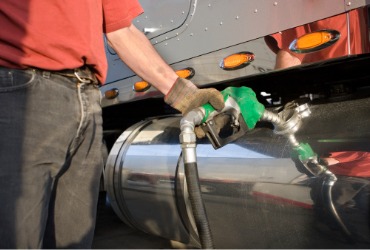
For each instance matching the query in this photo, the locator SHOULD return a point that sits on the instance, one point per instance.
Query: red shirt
(351, 163)
(60, 34)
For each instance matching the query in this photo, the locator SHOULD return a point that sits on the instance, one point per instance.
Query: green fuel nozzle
(245, 111)
(238, 101)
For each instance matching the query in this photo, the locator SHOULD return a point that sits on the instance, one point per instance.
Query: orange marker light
(111, 94)
(186, 73)
(141, 86)
(237, 61)
(314, 41)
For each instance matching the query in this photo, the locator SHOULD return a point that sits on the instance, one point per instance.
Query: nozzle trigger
(212, 132)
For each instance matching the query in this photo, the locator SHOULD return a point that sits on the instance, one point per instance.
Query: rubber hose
(196, 201)
(327, 191)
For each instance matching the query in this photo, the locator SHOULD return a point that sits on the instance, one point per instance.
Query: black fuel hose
(327, 187)
(196, 201)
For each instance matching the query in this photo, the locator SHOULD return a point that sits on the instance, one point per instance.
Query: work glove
(185, 96)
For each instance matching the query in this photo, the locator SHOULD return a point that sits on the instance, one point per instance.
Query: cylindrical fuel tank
(255, 194)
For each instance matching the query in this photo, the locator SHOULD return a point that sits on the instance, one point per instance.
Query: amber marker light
(186, 73)
(111, 94)
(141, 86)
(314, 41)
(237, 61)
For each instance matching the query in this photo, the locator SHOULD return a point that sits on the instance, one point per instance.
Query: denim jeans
(50, 160)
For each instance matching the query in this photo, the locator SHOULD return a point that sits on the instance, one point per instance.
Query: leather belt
(83, 74)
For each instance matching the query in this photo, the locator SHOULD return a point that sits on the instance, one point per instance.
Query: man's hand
(185, 96)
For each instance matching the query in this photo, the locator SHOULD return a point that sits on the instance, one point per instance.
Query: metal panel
(163, 16)
(211, 25)
(353, 4)
(217, 24)
(159, 18)
(212, 30)
(207, 71)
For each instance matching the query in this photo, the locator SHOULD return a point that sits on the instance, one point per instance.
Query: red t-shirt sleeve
(119, 13)
(351, 163)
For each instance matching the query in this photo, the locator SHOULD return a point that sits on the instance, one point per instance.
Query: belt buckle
(81, 79)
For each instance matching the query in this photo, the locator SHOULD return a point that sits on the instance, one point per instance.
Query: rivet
(349, 4)
(255, 11)
(275, 3)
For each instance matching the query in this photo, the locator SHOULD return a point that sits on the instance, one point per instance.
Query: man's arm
(284, 59)
(137, 52)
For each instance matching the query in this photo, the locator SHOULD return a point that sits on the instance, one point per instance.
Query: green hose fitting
(246, 99)
(303, 152)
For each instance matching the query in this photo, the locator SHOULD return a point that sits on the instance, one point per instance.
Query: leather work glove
(220, 120)
(185, 96)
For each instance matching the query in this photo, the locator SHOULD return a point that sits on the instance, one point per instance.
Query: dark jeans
(50, 160)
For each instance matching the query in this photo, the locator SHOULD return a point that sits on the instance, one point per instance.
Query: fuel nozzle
(243, 109)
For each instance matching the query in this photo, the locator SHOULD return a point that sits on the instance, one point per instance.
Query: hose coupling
(288, 121)
(187, 136)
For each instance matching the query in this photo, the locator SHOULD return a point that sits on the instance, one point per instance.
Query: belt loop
(46, 74)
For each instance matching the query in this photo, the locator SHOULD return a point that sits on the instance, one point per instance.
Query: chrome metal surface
(198, 34)
(255, 195)
(141, 197)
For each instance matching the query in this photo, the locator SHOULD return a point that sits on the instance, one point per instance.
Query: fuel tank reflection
(255, 195)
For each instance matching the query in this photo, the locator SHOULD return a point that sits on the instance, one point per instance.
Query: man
(52, 60)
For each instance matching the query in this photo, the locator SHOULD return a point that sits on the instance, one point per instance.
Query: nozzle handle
(238, 100)
(242, 105)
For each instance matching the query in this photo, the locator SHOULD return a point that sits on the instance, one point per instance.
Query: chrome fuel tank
(255, 195)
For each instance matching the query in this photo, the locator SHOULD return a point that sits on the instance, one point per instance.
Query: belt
(83, 74)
